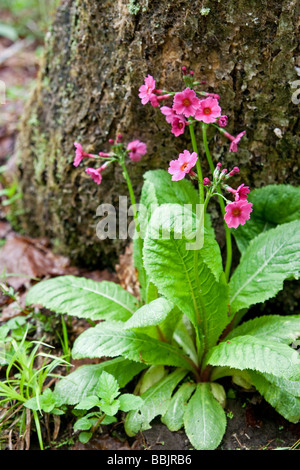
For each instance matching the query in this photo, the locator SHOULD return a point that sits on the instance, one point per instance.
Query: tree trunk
(97, 54)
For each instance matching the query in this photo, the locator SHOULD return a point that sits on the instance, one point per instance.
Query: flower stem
(132, 196)
(222, 206)
(198, 165)
(196, 252)
(142, 273)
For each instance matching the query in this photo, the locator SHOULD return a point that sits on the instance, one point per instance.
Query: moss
(135, 6)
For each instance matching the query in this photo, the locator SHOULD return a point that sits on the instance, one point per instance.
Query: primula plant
(186, 332)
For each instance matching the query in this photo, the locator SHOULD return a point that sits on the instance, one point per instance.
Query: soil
(251, 423)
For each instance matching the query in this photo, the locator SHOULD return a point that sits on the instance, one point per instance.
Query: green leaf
(173, 417)
(109, 420)
(84, 298)
(184, 337)
(8, 32)
(182, 275)
(168, 326)
(158, 319)
(204, 419)
(84, 381)
(57, 411)
(46, 402)
(258, 354)
(284, 402)
(269, 260)
(150, 314)
(156, 400)
(158, 188)
(37, 403)
(149, 377)
(290, 386)
(138, 244)
(284, 329)
(110, 409)
(108, 387)
(33, 404)
(88, 402)
(272, 205)
(83, 424)
(84, 437)
(129, 402)
(111, 340)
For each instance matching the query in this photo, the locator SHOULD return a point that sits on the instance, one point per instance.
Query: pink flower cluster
(186, 104)
(237, 212)
(135, 150)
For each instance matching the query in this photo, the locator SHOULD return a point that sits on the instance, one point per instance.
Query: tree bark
(97, 54)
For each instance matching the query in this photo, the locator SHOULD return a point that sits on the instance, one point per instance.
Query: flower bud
(206, 182)
(222, 121)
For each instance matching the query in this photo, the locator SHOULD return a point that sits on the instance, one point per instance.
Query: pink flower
(186, 102)
(169, 113)
(154, 100)
(237, 213)
(234, 141)
(183, 165)
(136, 150)
(222, 121)
(213, 95)
(95, 174)
(208, 110)
(177, 121)
(178, 125)
(80, 154)
(234, 171)
(146, 90)
(241, 193)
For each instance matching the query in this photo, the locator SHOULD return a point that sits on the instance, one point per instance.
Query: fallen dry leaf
(31, 258)
(5, 228)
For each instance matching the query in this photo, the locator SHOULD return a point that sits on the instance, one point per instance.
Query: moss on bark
(96, 57)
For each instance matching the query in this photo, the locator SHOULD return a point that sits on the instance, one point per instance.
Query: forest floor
(252, 423)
